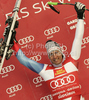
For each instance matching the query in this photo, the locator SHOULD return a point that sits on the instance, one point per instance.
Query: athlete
(62, 75)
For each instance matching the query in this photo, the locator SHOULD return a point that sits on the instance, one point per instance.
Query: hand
(80, 9)
(9, 22)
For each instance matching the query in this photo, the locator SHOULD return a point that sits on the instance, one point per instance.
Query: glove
(13, 38)
(7, 30)
(9, 22)
(80, 9)
(6, 34)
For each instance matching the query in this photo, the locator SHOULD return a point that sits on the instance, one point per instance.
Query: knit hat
(51, 46)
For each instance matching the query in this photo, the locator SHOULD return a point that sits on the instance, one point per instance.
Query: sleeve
(31, 64)
(76, 47)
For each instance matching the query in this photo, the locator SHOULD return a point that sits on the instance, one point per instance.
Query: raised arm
(31, 64)
(76, 47)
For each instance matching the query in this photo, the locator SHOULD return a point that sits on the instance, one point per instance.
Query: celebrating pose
(62, 75)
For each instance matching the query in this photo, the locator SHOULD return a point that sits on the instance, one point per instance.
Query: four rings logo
(62, 81)
(64, 48)
(26, 40)
(38, 79)
(36, 58)
(86, 61)
(14, 88)
(7, 69)
(48, 97)
(85, 40)
(51, 31)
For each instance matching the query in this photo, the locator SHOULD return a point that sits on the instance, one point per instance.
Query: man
(62, 75)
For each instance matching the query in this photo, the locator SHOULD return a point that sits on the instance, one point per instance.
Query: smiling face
(55, 57)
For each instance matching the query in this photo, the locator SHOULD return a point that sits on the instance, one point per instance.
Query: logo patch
(57, 72)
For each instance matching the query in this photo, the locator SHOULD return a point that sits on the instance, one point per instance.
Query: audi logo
(14, 88)
(26, 40)
(38, 79)
(86, 61)
(85, 40)
(64, 48)
(48, 97)
(7, 69)
(51, 30)
(36, 58)
(62, 81)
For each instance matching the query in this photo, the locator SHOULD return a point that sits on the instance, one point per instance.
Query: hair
(56, 44)
(48, 41)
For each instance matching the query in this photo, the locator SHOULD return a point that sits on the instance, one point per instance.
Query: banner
(37, 24)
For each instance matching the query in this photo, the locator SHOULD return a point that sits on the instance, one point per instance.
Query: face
(55, 57)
